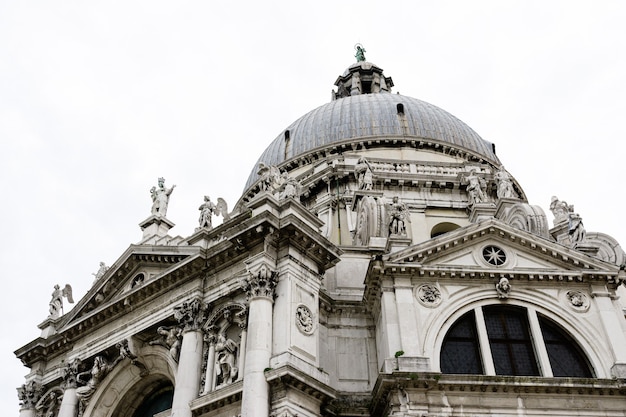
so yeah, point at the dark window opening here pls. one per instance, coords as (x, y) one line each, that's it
(566, 357)
(510, 342)
(400, 108)
(367, 87)
(460, 353)
(156, 402)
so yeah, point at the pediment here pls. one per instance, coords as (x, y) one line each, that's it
(139, 267)
(497, 247)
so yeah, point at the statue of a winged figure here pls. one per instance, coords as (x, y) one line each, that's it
(208, 209)
(56, 303)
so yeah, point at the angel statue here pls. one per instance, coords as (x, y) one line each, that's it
(363, 173)
(208, 209)
(56, 303)
(398, 217)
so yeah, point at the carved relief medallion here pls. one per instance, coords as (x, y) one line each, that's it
(304, 320)
(577, 300)
(428, 295)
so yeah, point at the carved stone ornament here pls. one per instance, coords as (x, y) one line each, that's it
(577, 300)
(90, 380)
(304, 320)
(169, 338)
(191, 314)
(261, 282)
(29, 394)
(70, 372)
(428, 295)
(503, 287)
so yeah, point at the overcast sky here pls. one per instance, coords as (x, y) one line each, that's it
(99, 100)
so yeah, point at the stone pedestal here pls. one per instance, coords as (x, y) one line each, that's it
(155, 226)
(481, 211)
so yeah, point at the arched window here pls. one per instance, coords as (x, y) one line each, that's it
(508, 340)
(442, 228)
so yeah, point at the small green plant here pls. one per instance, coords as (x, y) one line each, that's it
(267, 369)
(399, 353)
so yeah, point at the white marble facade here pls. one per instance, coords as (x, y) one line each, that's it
(387, 270)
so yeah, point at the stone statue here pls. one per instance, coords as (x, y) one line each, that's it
(399, 216)
(101, 271)
(575, 228)
(560, 209)
(475, 187)
(56, 303)
(505, 185)
(363, 172)
(271, 178)
(225, 350)
(125, 352)
(503, 287)
(91, 379)
(160, 198)
(170, 339)
(208, 209)
(292, 188)
(360, 53)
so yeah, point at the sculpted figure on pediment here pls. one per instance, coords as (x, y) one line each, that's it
(364, 174)
(160, 198)
(505, 185)
(208, 209)
(399, 216)
(575, 229)
(271, 178)
(56, 303)
(475, 187)
(101, 271)
(291, 189)
(560, 209)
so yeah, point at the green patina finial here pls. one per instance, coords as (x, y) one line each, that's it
(360, 52)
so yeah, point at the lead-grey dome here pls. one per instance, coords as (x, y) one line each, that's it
(365, 116)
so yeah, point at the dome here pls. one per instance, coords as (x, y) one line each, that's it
(355, 117)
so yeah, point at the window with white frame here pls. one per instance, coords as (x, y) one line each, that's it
(509, 340)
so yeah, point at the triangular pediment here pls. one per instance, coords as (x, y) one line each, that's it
(139, 266)
(499, 248)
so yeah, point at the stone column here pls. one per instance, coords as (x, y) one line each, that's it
(210, 363)
(259, 287)
(29, 394)
(241, 359)
(190, 315)
(69, 403)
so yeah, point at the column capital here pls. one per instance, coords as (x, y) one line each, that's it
(70, 373)
(29, 394)
(261, 281)
(191, 314)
